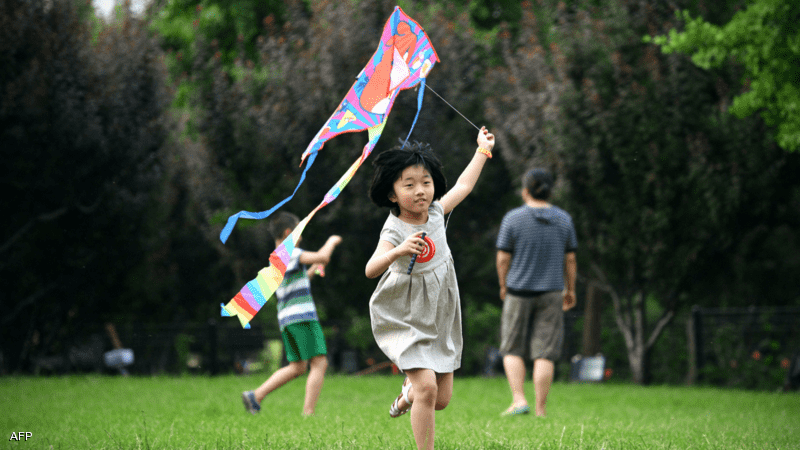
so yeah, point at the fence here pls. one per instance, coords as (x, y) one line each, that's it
(744, 347)
(216, 347)
(212, 348)
(754, 348)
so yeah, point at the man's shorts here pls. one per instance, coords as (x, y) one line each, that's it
(533, 326)
(303, 341)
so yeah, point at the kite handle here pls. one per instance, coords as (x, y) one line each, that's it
(414, 258)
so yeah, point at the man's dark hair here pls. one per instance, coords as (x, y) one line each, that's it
(539, 183)
(390, 164)
(280, 222)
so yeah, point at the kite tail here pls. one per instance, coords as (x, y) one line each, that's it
(228, 229)
(419, 108)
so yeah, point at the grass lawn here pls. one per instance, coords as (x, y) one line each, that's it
(201, 412)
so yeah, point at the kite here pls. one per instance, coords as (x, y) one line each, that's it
(403, 60)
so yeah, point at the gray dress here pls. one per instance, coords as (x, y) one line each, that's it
(416, 319)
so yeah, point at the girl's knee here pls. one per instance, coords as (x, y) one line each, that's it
(426, 393)
(443, 399)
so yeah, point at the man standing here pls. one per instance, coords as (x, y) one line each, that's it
(536, 268)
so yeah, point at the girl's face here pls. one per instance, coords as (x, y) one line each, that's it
(413, 191)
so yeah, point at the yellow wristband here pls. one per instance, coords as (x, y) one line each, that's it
(485, 152)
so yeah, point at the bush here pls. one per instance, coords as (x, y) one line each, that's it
(81, 123)
(481, 330)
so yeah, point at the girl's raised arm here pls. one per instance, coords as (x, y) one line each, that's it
(470, 175)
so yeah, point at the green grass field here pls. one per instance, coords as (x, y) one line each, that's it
(98, 412)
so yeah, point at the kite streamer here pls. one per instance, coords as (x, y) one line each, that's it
(403, 60)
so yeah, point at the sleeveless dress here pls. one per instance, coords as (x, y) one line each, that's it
(416, 319)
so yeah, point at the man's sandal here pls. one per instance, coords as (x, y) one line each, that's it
(516, 410)
(394, 410)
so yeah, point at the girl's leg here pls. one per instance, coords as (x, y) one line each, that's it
(280, 377)
(423, 395)
(316, 375)
(445, 383)
(515, 372)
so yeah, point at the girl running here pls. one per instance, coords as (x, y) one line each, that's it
(416, 317)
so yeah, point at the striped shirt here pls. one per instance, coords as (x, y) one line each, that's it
(537, 238)
(295, 304)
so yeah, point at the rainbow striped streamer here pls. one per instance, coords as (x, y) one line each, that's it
(402, 61)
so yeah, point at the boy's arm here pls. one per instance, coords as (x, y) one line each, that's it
(323, 255)
(470, 175)
(316, 269)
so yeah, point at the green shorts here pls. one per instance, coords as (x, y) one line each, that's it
(303, 341)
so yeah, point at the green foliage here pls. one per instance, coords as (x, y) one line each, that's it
(81, 124)
(659, 180)
(734, 365)
(359, 334)
(182, 345)
(232, 27)
(488, 13)
(481, 325)
(765, 40)
(748, 350)
(670, 194)
(234, 24)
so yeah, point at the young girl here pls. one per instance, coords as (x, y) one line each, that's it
(416, 318)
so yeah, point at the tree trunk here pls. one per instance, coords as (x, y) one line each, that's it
(631, 320)
(591, 321)
(638, 359)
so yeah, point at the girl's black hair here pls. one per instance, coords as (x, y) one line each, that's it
(539, 183)
(390, 164)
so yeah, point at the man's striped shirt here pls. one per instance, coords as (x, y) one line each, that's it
(537, 238)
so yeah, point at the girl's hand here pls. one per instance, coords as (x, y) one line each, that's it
(485, 139)
(411, 246)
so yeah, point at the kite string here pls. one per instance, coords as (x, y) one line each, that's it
(454, 108)
(465, 118)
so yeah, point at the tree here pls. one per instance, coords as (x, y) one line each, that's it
(765, 39)
(233, 25)
(660, 182)
(81, 123)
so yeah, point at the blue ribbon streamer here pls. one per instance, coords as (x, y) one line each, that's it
(419, 108)
(228, 229)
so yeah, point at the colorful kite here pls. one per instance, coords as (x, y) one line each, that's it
(403, 60)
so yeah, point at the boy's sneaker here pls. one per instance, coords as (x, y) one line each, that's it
(250, 403)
